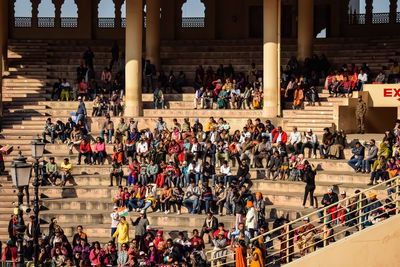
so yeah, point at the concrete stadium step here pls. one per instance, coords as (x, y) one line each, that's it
(321, 187)
(13, 92)
(204, 113)
(24, 99)
(273, 197)
(92, 211)
(304, 124)
(316, 112)
(338, 177)
(302, 120)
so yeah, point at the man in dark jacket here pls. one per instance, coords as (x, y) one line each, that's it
(32, 228)
(209, 151)
(328, 199)
(357, 158)
(242, 175)
(210, 225)
(274, 166)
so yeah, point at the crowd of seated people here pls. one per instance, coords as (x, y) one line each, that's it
(107, 92)
(383, 162)
(152, 247)
(300, 82)
(191, 163)
(227, 89)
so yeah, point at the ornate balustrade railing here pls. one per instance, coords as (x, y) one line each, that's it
(193, 22)
(69, 22)
(23, 22)
(45, 22)
(377, 18)
(106, 22)
(380, 18)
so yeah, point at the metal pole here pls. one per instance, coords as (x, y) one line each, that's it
(20, 227)
(325, 218)
(36, 211)
(359, 210)
(287, 244)
(396, 194)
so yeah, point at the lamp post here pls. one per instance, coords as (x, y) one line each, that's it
(20, 174)
(37, 147)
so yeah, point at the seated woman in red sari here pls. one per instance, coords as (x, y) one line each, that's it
(173, 150)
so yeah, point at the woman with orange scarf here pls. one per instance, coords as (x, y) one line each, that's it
(118, 151)
(240, 250)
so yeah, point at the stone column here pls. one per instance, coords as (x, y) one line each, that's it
(305, 29)
(393, 11)
(133, 58)
(57, 12)
(95, 17)
(35, 12)
(368, 11)
(210, 12)
(153, 32)
(271, 69)
(85, 17)
(118, 20)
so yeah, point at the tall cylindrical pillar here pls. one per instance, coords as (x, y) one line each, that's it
(153, 32)
(305, 29)
(133, 58)
(271, 54)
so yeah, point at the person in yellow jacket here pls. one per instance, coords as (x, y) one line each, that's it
(122, 232)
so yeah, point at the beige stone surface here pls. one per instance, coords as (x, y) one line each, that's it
(373, 247)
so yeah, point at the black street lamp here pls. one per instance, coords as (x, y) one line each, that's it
(37, 147)
(20, 174)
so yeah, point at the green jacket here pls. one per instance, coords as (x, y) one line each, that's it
(51, 168)
(384, 150)
(122, 127)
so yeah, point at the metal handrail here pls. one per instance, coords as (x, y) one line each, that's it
(357, 222)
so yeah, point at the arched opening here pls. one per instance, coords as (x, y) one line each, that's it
(354, 7)
(380, 11)
(123, 15)
(46, 14)
(123, 10)
(69, 14)
(23, 14)
(321, 34)
(193, 14)
(381, 6)
(106, 14)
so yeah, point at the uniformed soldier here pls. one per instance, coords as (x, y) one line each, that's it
(360, 114)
